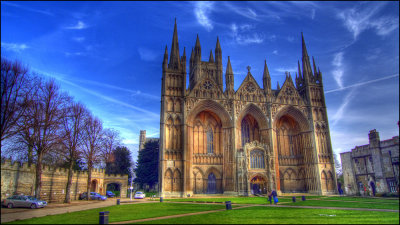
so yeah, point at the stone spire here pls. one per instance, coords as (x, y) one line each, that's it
(307, 73)
(211, 60)
(315, 68)
(278, 86)
(165, 61)
(174, 60)
(197, 50)
(229, 79)
(218, 64)
(266, 79)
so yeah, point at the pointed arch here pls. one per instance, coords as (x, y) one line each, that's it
(168, 179)
(254, 111)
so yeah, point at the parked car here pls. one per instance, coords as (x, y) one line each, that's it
(93, 196)
(23, 201)
(140, 195)
(110, 194)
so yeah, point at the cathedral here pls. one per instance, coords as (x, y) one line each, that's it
(241, 142)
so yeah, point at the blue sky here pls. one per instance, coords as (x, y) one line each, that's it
(108, 55)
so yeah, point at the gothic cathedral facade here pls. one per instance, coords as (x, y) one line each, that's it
(243, 142)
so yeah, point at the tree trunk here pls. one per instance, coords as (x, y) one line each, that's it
(38, 183)
(89, 182)
(30, 155)
(69, 183)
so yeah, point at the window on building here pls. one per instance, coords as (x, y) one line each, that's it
(245, 132)
(210, 141)
(391, 184)
(257, 159)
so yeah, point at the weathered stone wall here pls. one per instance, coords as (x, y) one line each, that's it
(17, 178)
(377, 162)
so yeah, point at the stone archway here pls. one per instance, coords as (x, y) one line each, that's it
(93, 185)
(292, 139)
(258, 185)
(208, 139)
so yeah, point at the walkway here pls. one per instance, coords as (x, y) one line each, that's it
(8, 215)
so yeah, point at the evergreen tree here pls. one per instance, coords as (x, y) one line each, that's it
(147, 166)
(120, 161)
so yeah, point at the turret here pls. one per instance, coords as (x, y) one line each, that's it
(218, 63)
(183, 60)
(197, 50)
(165, 61)
(266, 79)
(307, 73)
(229, 78)
(174, 61)
(278, 88)
(211, 59)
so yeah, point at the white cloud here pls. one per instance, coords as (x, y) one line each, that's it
(147, 54)
(289, 69)
(312, 14)
(290, 39)
(341, 111)
(243, 11)
(27, 8)
(362, 83)
(358, 19)
(78, 39)
(202, 11)
(338, 72)
(275, 52)
(14, 47)
(79, 26)
(244, 39)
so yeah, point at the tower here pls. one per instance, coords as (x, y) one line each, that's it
(142, 139)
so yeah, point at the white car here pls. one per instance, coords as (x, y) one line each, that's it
(140, 195)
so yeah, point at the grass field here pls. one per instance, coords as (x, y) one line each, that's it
(253, 214)
(121, 213)
(275, 215)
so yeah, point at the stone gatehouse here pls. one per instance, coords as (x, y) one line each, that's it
(19, 178)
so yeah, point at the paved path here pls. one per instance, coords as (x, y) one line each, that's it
(8, 215)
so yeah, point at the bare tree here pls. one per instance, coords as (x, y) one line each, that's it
(41, 123)
(92, 138)
(73, 124)
(111, 140)
(15, 88)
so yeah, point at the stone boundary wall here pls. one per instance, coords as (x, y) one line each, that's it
(19, 178)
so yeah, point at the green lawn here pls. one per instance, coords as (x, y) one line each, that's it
(344, 204)
(348, 202)
(275, 215)
(255, 214)
(121, 213)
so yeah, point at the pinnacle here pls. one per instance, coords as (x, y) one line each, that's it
(211, 57)
(229, 67)
(218, 46)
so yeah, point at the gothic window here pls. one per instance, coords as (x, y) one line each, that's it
(210, 143)
(257, 159)
(245, 132)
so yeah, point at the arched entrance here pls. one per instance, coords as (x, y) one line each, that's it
(93, 186)
(114, 188)
(258, 185)
(293, 149)
(211, 184)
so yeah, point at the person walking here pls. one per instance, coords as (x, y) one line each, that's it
(275, 196)
(270, 197)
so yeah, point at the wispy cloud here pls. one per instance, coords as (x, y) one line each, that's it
(341, 111)
(14, 47)
(362, 17)
(79, 26)
(202, 12)
(147, 54)
(338, 72)
(362, 83)
(242, 11)
(104, 97)
(290, 39)
(78, 39)
(289, 69)
(275, 52)
(27, 8)
(244, 39)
